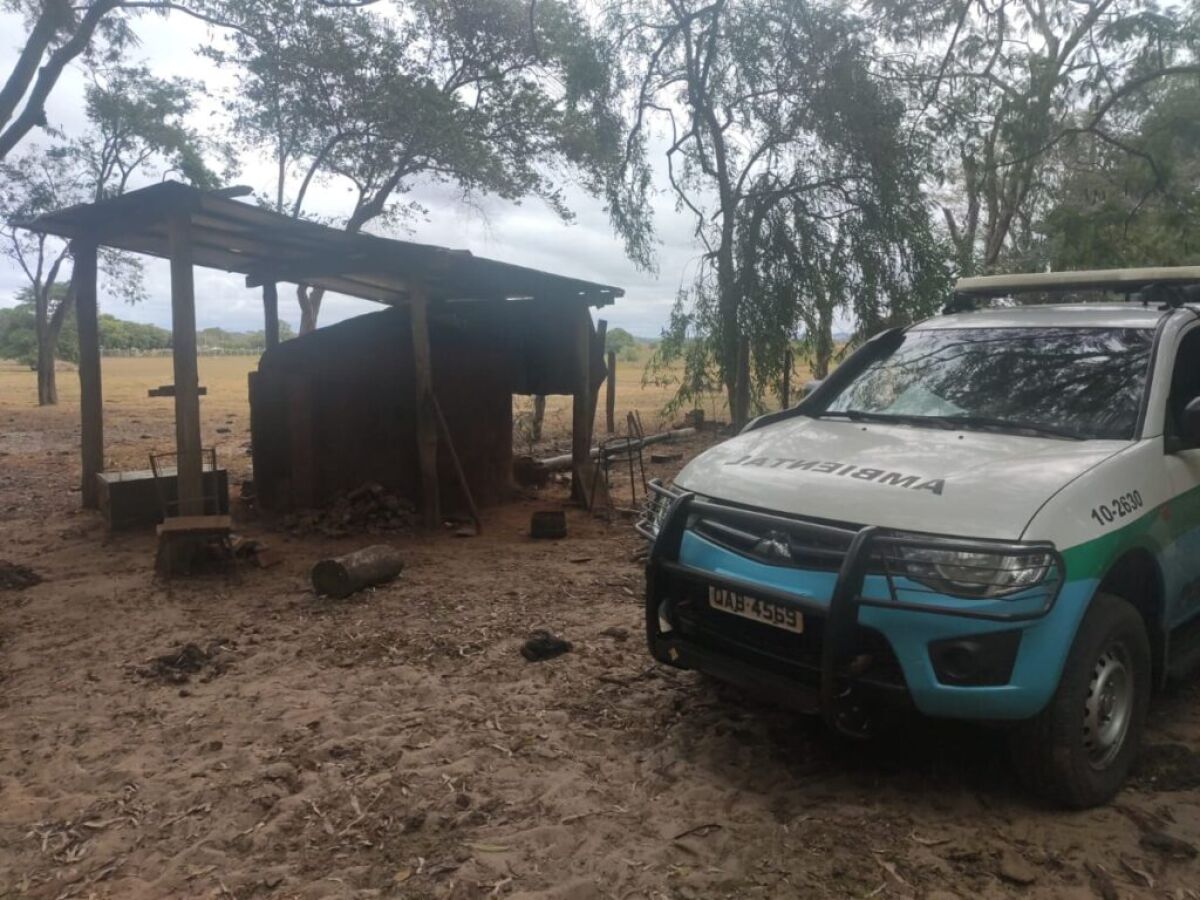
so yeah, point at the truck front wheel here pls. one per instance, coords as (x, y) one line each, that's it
(1079, 749)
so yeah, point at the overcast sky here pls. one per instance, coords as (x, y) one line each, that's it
(529, 234)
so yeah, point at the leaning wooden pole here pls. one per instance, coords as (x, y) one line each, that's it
(458, 469)
(91, 399)
(187, 378)
(427, 436)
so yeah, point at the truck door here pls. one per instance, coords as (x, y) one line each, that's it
(1183, 479)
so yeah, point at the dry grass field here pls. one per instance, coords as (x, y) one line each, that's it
(127, 379)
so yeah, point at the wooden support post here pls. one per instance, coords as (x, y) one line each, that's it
(427, 436)
(581, 409)
(91, 398)
(610, 402)
(271, 314)
(187, 379)
(785, 394)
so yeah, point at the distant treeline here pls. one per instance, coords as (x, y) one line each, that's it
(118, 337)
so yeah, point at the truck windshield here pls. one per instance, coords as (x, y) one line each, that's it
(1064, 382)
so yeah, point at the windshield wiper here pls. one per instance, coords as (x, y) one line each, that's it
(1013, 425)
(955, 421)
(862, 415)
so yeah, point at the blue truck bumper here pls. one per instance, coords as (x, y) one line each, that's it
(867, 633)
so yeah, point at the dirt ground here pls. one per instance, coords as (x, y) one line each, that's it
(235, 736)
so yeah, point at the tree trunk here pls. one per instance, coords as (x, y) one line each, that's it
(46, 385)
(310, 306)
(49, 327)
(824, 343)
(734, 364)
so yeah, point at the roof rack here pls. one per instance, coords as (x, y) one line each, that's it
(1126, 280)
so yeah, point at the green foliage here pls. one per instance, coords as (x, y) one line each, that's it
(218, 340)
(793, 159)
(488, 96)
(18, 337)
(118, 337)
(139, 126)
(1133, 205)
(622, 343)
(999, 90)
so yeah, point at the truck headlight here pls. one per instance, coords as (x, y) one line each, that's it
(974, 574)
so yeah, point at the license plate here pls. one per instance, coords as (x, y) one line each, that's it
(764, 611)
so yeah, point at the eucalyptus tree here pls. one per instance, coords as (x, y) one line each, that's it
(488, 97)
(1001, 84)
(1133, 204)
(136, 129)
(788, 153)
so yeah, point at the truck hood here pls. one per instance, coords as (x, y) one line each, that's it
(961, 483)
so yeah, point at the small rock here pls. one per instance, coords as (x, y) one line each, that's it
(223, 430)
(1015, 870)
(282, 772)
(543, 645)
(616, 633)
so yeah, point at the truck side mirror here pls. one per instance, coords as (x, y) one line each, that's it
(812, 386)
(1189, 423)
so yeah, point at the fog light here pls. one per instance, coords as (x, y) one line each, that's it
(978, 660)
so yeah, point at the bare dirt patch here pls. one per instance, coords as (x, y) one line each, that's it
(397, 744)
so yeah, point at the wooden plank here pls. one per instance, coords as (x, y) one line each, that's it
(195, 524)
(91, 400)
(271, 314)
(168, 390)
(581, 408)
(187, 380)
(427, 437)
(610, 401)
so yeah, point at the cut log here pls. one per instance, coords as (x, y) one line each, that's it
(343, 575)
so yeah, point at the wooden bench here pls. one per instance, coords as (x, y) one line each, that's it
(185, 540)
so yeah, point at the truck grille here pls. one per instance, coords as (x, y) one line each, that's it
(784, 652)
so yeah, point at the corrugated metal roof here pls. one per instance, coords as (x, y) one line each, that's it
(267, 246)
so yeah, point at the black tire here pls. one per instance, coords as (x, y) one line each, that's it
(1071, 752)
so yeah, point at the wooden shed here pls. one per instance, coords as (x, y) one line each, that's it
(336, 409)
(358, 399)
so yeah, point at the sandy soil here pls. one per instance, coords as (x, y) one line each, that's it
(398, 745)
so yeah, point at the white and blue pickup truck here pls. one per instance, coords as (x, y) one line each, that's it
(990, 515)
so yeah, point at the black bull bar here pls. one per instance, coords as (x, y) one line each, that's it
(856, 553)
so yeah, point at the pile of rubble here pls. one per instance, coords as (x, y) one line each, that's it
(369, 508)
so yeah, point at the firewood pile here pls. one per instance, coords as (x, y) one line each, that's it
(368, 509)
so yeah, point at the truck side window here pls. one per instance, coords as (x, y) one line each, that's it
(1185, 380)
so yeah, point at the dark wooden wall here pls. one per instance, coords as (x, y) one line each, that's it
(335, 408)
